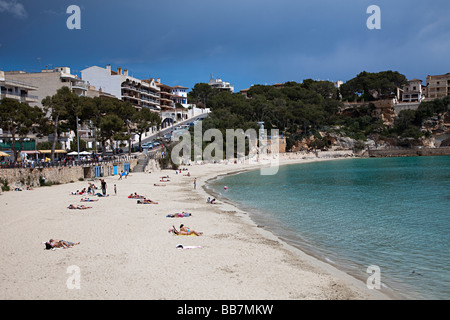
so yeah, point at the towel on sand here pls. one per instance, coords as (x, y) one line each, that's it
(180, 246)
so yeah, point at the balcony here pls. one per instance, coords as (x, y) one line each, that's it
(80, 86)
(20, 97)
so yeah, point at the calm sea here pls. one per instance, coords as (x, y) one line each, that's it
(393, 213)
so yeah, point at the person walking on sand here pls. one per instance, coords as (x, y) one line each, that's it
(195, 183)
(115, 190)
(103, 187)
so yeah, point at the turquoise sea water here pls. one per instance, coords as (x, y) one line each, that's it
(393, 213)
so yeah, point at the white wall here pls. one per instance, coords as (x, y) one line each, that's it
(101, 78)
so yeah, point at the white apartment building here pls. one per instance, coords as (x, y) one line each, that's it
(48, 81)
(180, 94)
(338, 84)
(221, 85)
(17, 90)
(413, 91)
(140, 93)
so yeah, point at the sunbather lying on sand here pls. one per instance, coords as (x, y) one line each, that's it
(179, 215)
(159, 185)
(80, 193)
(146, 201)
(135, 196)
(54, 244)
(81, 207)
(88, 200)
(185, 231)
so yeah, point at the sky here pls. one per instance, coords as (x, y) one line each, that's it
(244, 42)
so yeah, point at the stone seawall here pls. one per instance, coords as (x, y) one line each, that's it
(410, 152)
(22, 177)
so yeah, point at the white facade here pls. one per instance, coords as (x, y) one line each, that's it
(338, 84)
(221, 85)
(413, 91)
(195, 111)
(140, 93)
(181, 94)
(103, 80)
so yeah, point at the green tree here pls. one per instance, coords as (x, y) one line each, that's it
(372, 86)
(19, 119)
(59, 108)
(33, 120)
(111, 127)
(325, 88)
(143, 120)
(74, 145)
(11, 117)
(126, 112)
(200, 94)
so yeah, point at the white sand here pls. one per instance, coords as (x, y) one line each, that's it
(126, 251)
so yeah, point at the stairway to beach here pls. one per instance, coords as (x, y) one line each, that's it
(142, 163)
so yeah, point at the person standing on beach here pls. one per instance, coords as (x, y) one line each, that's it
(103, 187)
(115, 190)
(195, 183)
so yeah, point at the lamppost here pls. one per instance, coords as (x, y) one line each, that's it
(78, 141)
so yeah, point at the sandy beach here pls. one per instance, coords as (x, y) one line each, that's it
(126, 251)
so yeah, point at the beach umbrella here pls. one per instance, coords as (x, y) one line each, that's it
(74, 153)
(3, 154)
(85, 153)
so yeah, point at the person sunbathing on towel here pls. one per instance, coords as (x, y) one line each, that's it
(135, 196)
(53, 244)
(179, 215)
(87, 200)
(146, 201)
(81, 207)
(185, 231)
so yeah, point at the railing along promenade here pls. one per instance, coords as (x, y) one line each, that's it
(68, 163)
